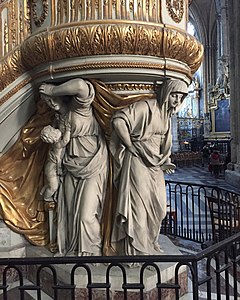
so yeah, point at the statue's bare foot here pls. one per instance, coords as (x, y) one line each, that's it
(58, 254)
(158, 248)
(84, 253)
(151, 268)
(133, 265)
(70, 254)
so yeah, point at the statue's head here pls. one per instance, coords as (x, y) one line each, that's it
(55, 103)
(173, 92)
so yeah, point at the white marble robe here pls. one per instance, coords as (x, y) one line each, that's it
(82, 191)
(141, 205)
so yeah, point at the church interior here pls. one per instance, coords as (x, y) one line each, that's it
(126, 50)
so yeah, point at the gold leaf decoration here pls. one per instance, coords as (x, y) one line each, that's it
(175, 9)
(183, 47)
(105, 39)
(39, 20)
(98, 40)
(143, 42)
(37, 47)
(128, 39)
(113, 40)
(155, 45)
(15, 64)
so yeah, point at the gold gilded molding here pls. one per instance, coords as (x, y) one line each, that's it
(183, 47)
(91, 40)
(103, 65)
(105, 39)
(175, 9)
(116, 87)
(13, 91)
(38, 48)
(10, 68)
(38, 21)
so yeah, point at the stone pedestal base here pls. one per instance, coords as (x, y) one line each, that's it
(98, 275)
(11, 244)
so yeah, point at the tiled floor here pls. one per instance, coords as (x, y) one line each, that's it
(200, 175)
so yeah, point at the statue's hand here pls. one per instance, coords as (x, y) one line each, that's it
(168, 168)
(169, 171)
(46, 89)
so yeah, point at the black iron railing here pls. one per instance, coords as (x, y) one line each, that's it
(189, 213)
(215, 269)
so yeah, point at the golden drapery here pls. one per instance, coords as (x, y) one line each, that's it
(21, 178)
(21, 171)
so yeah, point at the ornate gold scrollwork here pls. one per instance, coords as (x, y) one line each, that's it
(134, 39)
(103, 39)
(10, 68)
(39, 20)
(175, 9)
(183, 47)
(131, 87)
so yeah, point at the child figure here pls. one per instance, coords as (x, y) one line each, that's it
(52, 169)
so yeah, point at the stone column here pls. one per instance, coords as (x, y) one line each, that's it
(224, 28)
(233, 173)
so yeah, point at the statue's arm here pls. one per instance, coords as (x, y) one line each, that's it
(168, 166)
(72, 87)
(65, 140)
(122, 131)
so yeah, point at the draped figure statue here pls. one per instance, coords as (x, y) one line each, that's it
(93, 113)
(81, 194)
(141, 147)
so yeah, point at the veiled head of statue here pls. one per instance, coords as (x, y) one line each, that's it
(172, 94)
(56, 103)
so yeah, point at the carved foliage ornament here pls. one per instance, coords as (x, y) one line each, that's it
(39, 20)
(98, 40)
(112, 39)
(175, 9)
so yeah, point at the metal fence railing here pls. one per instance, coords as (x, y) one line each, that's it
(188, 211)
(214, 269)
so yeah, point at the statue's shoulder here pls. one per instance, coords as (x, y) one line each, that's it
(143, 104)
